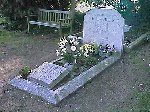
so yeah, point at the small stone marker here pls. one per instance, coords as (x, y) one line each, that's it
(48, 74)
(104, 26)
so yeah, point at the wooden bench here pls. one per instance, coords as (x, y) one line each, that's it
(51, 18)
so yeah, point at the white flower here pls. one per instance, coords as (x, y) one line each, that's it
(86, 50)
(80, 38)
(71, 37)
(73, 48)
(63, 40)
(57, 52)
(61, 45)
(64, 50)
(81, 48)
(73, 40)
(86, 54)
(91, 50)
(76, 43)
(75, 61)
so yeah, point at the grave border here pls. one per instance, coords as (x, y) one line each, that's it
(142, 39)
(55, 96)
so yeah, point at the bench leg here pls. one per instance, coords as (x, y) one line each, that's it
(60, 32)
(39, 26)
(28, 27)
(71, 30)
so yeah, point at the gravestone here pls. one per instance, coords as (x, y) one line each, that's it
(104, 26)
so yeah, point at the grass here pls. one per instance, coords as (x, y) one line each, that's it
(142, 101)
(14, 39)
(6, 36)
(18, 38)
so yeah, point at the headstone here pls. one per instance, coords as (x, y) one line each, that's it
(104, 26)
(48, 74)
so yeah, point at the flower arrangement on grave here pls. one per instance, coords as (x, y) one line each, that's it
(82, 55)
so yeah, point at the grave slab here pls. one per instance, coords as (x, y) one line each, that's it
(48, 74)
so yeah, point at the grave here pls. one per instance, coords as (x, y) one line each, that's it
(101, 26)
(104, 26)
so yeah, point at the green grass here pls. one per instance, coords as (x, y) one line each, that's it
(18, 40)
(142, 101)
(138, 61)
(6, 36)
(14, 39)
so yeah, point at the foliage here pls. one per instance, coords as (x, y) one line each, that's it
(2, 19)
(68, 57)
(143, 15)
(86, 61)
(78, 21)
(25, 71)
(16, 25)
(16, 10)
(19, 8)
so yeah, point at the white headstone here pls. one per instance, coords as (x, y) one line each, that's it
(104, 26)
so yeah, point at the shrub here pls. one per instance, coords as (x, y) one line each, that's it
(25, 71)
(78, 21)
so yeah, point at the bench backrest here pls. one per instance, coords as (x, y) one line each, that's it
(54, 16)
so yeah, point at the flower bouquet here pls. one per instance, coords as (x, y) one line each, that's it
(79, 56)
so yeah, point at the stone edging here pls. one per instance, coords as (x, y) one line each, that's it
(59, 94)
(34, 88)
(143, 38)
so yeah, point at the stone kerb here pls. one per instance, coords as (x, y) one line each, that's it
(84, 77)
(35, 89)
(55, 96)
(104, 26)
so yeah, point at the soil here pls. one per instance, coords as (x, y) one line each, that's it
(112, 90)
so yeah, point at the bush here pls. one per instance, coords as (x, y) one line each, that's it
(16, 10)
(2, 20)
(19, 24)
(25, 71)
